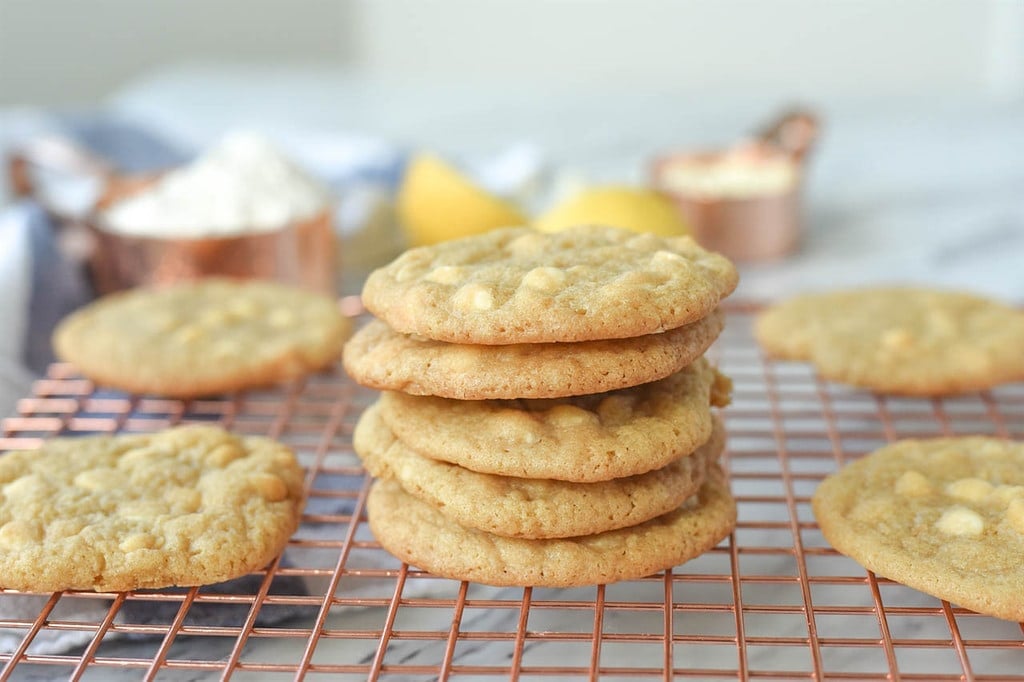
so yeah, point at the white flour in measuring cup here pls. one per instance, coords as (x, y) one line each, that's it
(241, 185)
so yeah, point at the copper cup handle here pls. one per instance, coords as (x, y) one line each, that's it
(53, 152)
(795, 133)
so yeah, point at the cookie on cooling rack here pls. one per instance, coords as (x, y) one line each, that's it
(945, 516)
(211, 336)
(192, 505)
(532, 508)
(581, 439)
(517, 285)
(420, 535)
(381, 358)
(899, 340)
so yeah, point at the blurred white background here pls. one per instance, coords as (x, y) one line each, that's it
(62, 52)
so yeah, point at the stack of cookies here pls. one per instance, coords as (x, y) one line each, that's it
(547, 413)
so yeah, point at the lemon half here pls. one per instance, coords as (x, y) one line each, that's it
(435, 203)
(631, 208)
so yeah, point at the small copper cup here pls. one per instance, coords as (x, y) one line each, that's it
(761, 225)
(302, 253)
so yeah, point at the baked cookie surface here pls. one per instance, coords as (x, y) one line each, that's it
(517, 285)
(944, 516)
(532, 508)
(212, 336)
(192, 505)
(378, 357)
(899, 340)
(418, 534)
(582, 439)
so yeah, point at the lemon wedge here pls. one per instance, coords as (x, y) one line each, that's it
(631, 208)
(436, 203)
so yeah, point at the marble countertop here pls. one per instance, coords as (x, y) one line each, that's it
(925, 192)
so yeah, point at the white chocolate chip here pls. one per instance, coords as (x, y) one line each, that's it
(970, 489)
(446, 274)
(281, 318)
(137, 541)
(897, 339)
(570, 415)
(913, 484)
(269, 486)
(529, 244)
(474, 297)
(643, 242)
(99, 479)
(546, 279)
(18, 533)
(1015, 514)
(960, 521)
(666, 258)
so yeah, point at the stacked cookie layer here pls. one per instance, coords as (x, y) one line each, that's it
(547, 413)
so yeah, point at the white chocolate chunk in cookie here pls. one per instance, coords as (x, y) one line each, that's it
(474, 296)
(547, 279)
(970, 489)
(446, 274)
(960, 520)
(1015, 514)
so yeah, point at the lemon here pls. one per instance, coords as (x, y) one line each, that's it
(435, 202)
(631, 208)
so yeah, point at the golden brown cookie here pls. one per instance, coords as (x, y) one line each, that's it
(517, 285)
(187, 506)
(211, 336)
(532, 508)
(378, 357)
(582, 439)
(420, 535)
(899, 340)
(945, 516)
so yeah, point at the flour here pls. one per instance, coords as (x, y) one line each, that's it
(241, 185)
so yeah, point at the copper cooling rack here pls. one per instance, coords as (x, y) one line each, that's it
(773, 601)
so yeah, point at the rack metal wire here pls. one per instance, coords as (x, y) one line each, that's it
(773, 601)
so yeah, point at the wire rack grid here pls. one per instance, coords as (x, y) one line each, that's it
(772, 601)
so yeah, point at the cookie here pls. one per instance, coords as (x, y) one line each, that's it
(944, 516)
(211, 336)
(378, 357)
(420, 535)
(904, 341)
(187, 506)
(517, 285)
(581, 439)
(532, 508)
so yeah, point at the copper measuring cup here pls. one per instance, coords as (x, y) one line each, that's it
(302, 253)
(757, 227)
